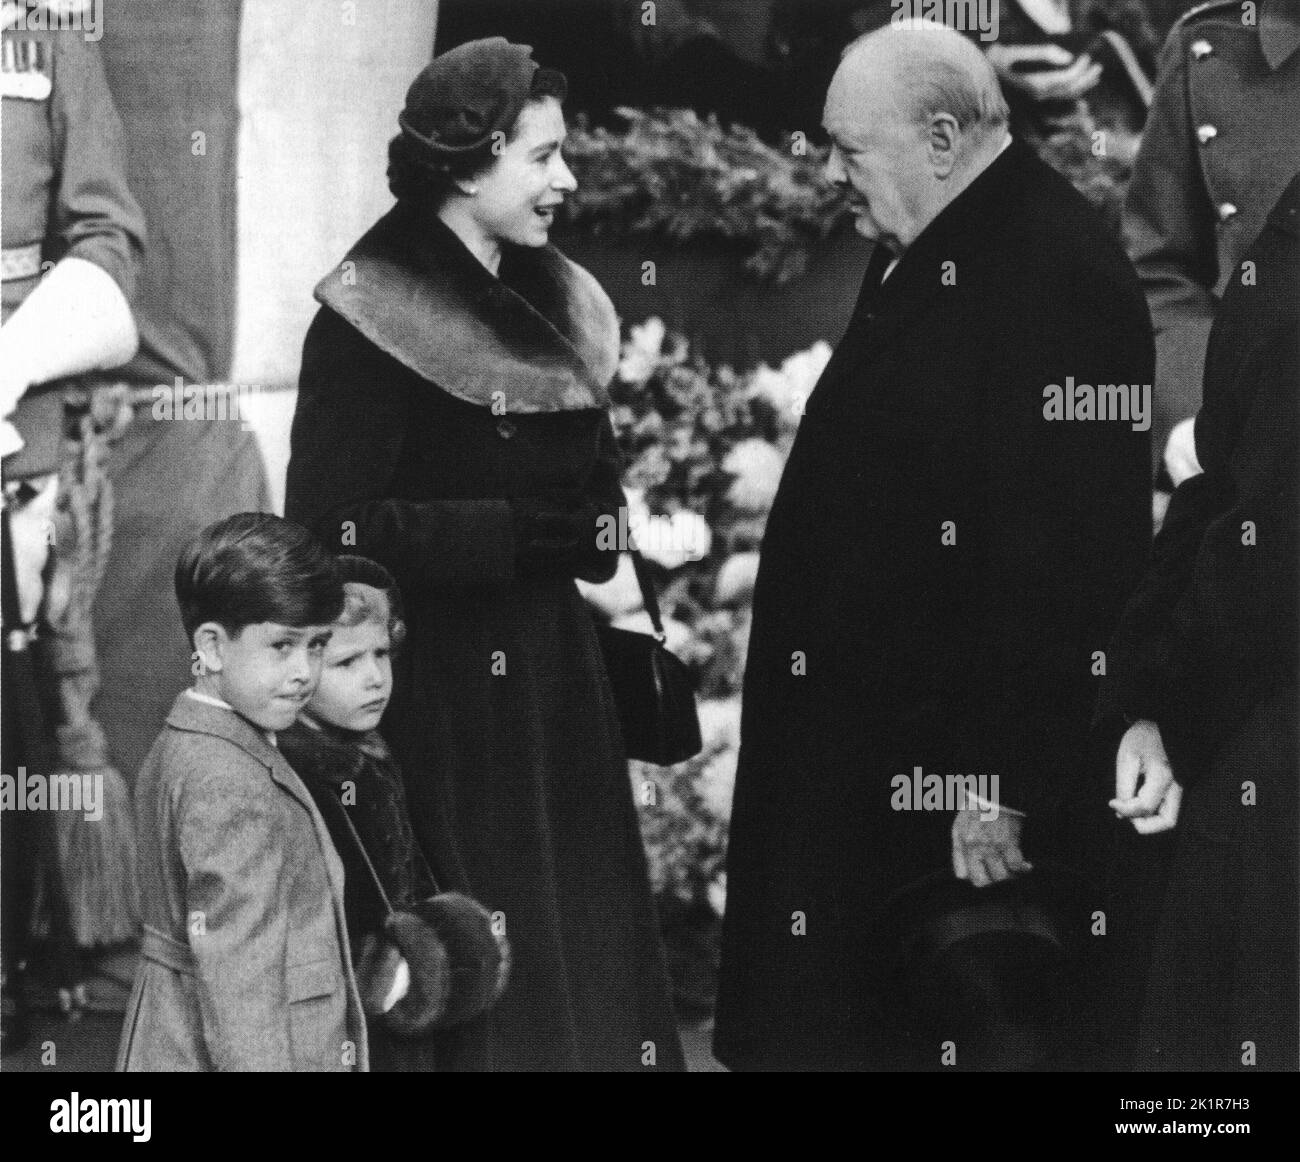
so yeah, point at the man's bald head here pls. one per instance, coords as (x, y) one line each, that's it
(914, 113)
(922, 69)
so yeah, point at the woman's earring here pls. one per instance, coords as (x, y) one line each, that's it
(471, 190)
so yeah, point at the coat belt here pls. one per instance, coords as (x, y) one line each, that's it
(158, 947)
(20, 261)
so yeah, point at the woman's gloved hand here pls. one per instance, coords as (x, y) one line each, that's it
(555, 533)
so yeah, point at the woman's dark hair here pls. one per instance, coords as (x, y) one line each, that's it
(254, 567)
(413, 175)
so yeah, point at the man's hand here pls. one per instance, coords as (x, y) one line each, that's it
(987, 851)
(1058, 75)
(1180, 452)
(1142, 756)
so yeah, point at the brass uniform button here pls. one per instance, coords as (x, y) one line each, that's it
(1206, 133)
(1201, 49)
(1226, 210)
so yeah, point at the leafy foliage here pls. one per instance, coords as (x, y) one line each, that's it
(674, 177)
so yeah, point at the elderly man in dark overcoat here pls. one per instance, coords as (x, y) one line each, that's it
(960, 518)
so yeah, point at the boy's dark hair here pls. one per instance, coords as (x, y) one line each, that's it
(415, 177)
(254, 567)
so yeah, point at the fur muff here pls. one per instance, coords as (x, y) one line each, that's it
(426, 1004)
(480, 957)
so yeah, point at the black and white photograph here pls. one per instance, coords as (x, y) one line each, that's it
(652, 537)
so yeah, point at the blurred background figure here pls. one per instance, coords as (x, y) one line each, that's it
(1205, 669)
(72, 241)
(94, 567)
(1219, 148)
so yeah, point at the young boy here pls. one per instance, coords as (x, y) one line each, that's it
(245, 962)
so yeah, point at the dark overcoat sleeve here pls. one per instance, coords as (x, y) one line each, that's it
(1065, 531)
(355, 409)
(1208, 606)
(1139, 683)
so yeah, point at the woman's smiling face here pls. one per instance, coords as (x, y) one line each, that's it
(518, 195)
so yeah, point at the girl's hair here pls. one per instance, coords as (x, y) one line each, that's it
(370, 594)
(364, 603)
(415, 176)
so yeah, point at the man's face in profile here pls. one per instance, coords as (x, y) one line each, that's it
(878, 158)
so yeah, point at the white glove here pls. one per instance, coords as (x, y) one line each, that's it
(10, 440)
(401, 984)
(1180, 452)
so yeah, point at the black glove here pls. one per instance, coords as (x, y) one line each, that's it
(554, 533)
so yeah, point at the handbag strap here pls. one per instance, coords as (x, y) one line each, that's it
(365, 856)
(648, 595)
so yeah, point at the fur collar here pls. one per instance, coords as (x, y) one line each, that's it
(542, 338)
(342, 752)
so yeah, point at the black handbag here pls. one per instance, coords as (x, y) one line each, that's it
(653, 689)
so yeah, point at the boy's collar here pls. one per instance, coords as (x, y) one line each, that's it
(213, 700)
(206, 714)
(210, 699)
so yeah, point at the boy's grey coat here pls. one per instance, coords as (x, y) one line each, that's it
(245, 964)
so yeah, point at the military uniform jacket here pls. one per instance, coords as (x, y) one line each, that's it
(245, 963)
(65, 188)
(1221, 143)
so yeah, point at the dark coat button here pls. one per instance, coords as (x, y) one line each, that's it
(506, 429)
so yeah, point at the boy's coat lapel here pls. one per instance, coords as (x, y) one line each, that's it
(202, 717)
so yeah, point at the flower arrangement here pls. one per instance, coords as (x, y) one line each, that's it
(673, 177)
(705, 447)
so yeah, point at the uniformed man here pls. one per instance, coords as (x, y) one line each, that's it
(72, 239)
(1220, 145)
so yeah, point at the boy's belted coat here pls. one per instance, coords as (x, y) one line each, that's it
(245, 963)
(939, 566)
(433, 392)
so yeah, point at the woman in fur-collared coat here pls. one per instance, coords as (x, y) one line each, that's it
(452, 424)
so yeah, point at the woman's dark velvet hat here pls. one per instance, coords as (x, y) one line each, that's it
(467, 94)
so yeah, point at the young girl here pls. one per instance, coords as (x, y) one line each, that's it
(425, 961)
